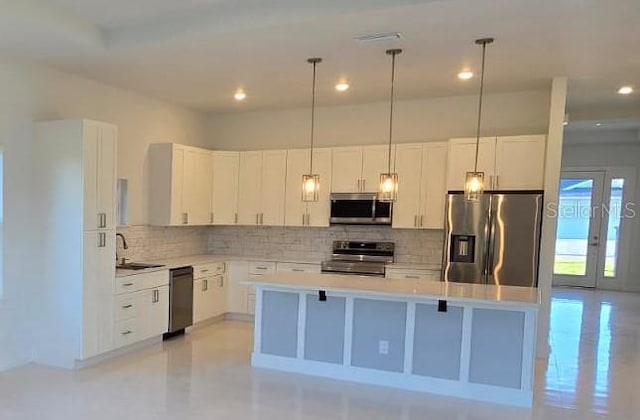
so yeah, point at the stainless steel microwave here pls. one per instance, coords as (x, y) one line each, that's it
(359, 209)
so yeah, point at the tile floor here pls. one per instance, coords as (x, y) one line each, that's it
(593, 373)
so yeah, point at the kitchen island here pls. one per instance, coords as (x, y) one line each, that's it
(466, 340)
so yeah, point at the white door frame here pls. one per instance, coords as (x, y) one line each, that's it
(621, 280)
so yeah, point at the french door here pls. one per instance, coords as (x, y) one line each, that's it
(591, 216)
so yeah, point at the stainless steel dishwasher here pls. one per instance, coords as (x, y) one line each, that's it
(180, 300)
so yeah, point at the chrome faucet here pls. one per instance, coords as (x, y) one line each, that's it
(124, 246)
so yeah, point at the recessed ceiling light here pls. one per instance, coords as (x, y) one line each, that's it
(598, 124)
(465, 75)
(625, 90)
(342, 86)
(239, 95)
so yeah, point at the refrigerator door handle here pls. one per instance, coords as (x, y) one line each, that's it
(488, 243)
(492, 243)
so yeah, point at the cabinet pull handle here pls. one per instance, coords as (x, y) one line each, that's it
(155, 296)
(421, 220)
(303, 221)
(412, 277)
(212, 214)
(415, 221)
(308, 219)
(298, 270)
(204, 271)
(102, 240)
(235, 218)
(127, 332)
(185, 218)
(262, 218)
(261, 268)
(127, 306)
(359, 181)
(257, 218)
(221, 281)
(205, 285)
(497, 182)
(127, 284)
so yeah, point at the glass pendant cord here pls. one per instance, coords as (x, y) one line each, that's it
(313, 61)
(392, 94)
(484, 43)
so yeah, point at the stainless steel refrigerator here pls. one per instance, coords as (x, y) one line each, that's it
(495, 240)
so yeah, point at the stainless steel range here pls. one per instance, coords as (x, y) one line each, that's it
(359, 257)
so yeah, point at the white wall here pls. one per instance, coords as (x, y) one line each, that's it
(424, 119)
(29, 93)
(610, 148)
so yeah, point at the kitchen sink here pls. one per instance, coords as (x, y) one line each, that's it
(137, 266)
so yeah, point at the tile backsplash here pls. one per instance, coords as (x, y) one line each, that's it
(304, 243)
(147, 243)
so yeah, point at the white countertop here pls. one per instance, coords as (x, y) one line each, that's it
(464, 292)
(170, 263)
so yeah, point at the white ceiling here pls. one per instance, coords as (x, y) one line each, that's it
(197, 52)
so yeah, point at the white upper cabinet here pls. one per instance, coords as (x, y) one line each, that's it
(274, 170)
(509, 163)
(99, 145)
(422, 173)
(250, 187)
(520, 162)
(295, 213)
(318, 212)
(406, 209)
(434, 189)
(180, 185)
(462, 153)
(347, 169)
(226, 168)
(298, 212)
(358, 169)
(375, 161)
(261, 193)
(201, 179)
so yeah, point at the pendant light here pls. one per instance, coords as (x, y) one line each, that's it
(388, 190)
(311, 181)
(474, 181)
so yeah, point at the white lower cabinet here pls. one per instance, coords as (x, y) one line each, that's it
(141, 310)
(242, 297)
(209, 297)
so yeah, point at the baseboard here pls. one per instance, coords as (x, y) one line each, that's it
(234, 316)
(81, 364)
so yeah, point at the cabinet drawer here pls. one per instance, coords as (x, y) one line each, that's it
(126, 332)
(298, 268)
(143, 281)
(126, 284)
(262, 267)
(208, 270)
(126, 306)
(428, 275)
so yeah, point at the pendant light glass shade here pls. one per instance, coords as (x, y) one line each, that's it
(388, 189)
(310, 187)
(311, 181)
(474, 186)
(474, 180)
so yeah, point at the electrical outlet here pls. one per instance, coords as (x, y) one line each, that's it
(383, 347)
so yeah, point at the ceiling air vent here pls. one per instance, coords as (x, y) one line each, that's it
(385, 37)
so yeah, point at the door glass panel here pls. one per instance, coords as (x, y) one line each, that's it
(614, 214)
(574, 218)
